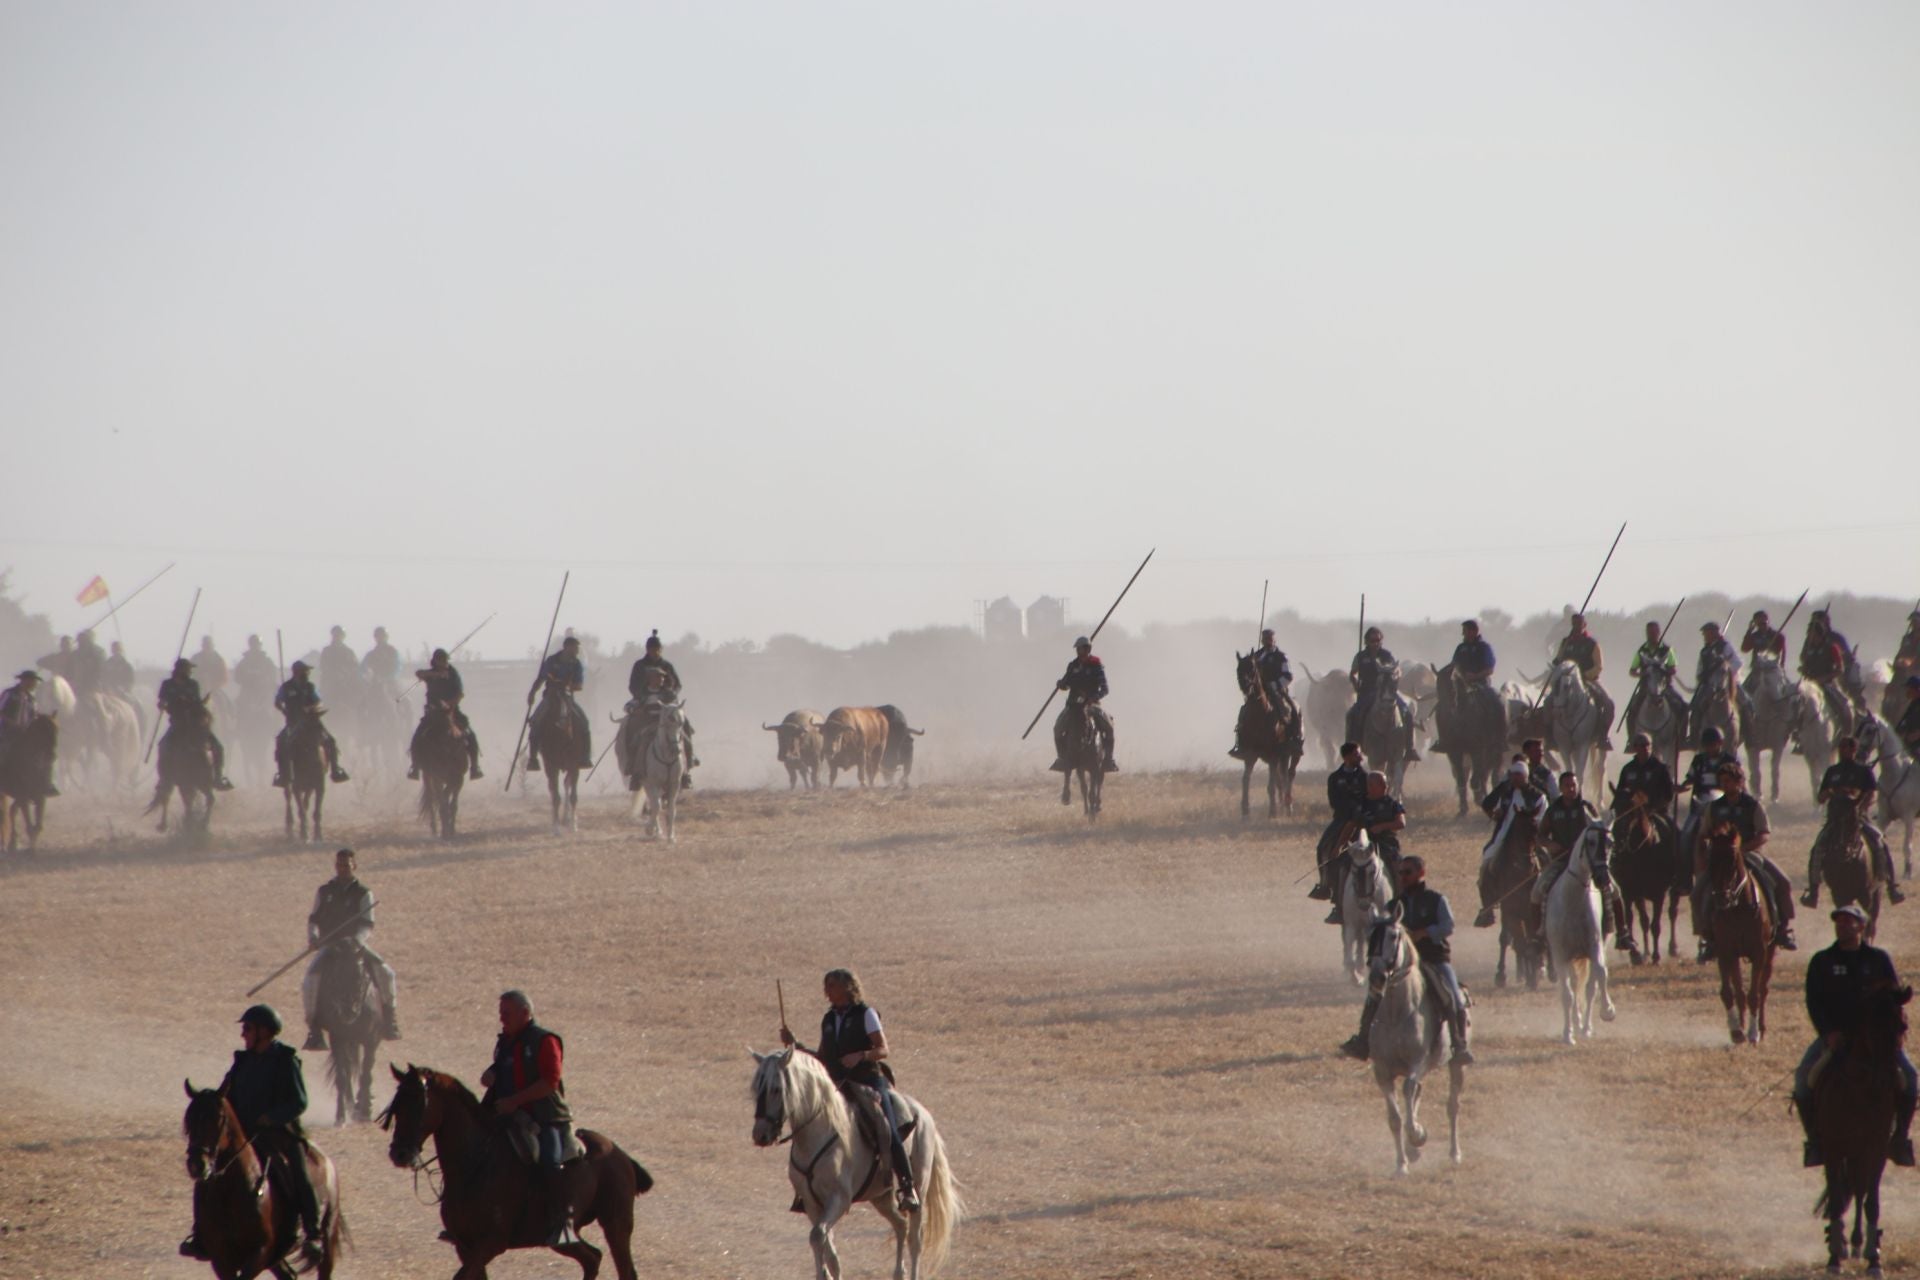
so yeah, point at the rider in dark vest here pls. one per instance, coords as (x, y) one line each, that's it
(637, 686)
(1428, 920)
(268, 1093)
(187, 713)
(563, 670)
(1473, 667)
(441, 680)
(1517, 799)
(297, 700)
(1826, 659)
(1839, 981)
(1567, 820)
(1373, 670)
(17, 713)
(1737, 809)
(1847, 776)
(852, 1044)
(526, 1077)
(1646, 774)
(1085, 684)
(1583, 650)
(342, 915)
(1271, 670)
(1346, 792)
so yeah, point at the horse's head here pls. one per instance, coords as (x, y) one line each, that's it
(770, 1096)
(1359, 847)
(418, 1109)
(1389, 952)
(1596, 848)
(212, 1130)
(1887, 1016)
(1726, 869)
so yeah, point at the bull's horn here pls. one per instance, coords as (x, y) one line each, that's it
(771, 728)
(616, 719)
(918, 733)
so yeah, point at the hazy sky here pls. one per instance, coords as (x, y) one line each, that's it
(835, 318)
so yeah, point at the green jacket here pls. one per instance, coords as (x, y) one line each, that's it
(1658, 655)
(267, 1089)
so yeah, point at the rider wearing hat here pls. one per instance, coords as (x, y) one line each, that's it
(1647, 775)
(1373, 670)
(1735, 809)
(1515, 799)
(381, 664)
(563, 670)
(297, 701)
(1825, 657)
(1085, 684)
(1473, 665)
(1583, 650)
(1271, 670)
(1839, 980)
(16, 713)
(1848, 777)
(186, 709)
(1346, 794)
(1717, 658)
(1568, 818)
(441, 679)
(268, 1094)
(640, 687)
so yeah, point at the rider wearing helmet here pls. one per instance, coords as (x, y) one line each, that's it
(1373, 670)
(298, 701)
(444, 692)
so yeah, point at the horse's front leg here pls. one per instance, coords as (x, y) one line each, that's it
(1732, 996)
(319, 799)
(1394, 1126)
(1456, 1081)
(1273, 789)
(286, 794)
(1416, 1135)
(826, 1258)
(1569, 1007)
(1246, 789)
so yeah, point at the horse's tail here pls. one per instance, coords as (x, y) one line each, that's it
(642, 1180)
(426, 796)
(941, 1203)
(340, 1065)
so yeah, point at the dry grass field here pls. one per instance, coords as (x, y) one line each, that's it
(1126, 1032)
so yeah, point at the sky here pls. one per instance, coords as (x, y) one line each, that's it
(837, 319)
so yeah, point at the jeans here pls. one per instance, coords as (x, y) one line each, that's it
(902, 1170)
(552, 1146)
(1803, 1090)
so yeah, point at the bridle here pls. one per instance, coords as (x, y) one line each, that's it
(206, 1155)
(420, 1163)
(1393, 933)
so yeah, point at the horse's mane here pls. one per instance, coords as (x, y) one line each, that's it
(811, 1091)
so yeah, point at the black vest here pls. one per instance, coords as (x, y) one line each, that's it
(850, 1037)
(525, 1047)
(1420, 909)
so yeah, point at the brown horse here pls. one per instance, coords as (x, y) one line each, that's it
(244, 1220)
(1846, 865)
(1650, 871)
(1742, 929)
(564, 745)
(489, 1204)
(1513, 873)
(442, 755)
(24, 771)
(306, 769)
(1082, 755)
(1855, 1099)
(186, 766)
(1270, 736)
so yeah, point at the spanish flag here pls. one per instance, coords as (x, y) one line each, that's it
(94, 592)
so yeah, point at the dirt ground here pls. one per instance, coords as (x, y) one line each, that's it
(1126, 1033)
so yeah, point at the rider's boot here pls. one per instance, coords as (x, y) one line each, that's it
(1106, 763)
(557, 1206)
(413, 768)
(1334, 916)
(338, 774)
(1320, 892)
(316, 1041)
(190, 1248)
(1810, 1156)
(1235, 750)
(1811, 898)
(1783, 937)
(279, 767)
(1894, 892)
(473, 766)
(1358, 1047)
(1486, 919)
(1900, 1150)
(1462, 1038)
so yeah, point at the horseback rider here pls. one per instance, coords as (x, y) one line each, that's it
(1761, 637)
(298, 701)
(565, 672)
(16, 713)
(1583, 650)
(1516, 798)
(211, 666)
(441, 679)
(342, 915)
(1702, 776)
(1428, 920)
(851, 1044)
(1908, 726)
(1539, 772)
(268, 1093)
(89, 659)
(187, 713)
(1647, 775)
(254, 675)
(639, 686)
(1274, 675)
(1717, 658)
(1382, 818)
(1085, 684)
(1734, 808)
(1473, 664)
(1839, 980)
(339, 669)
(1346, 792)
(1374, 669)
(381, 664)
(60, 661)
(1848, 777)
(1825, 658)
(1656, 654)
(526, 1077)
(643, 712)
(116, 673)
(1906, 659)
(1567, 820)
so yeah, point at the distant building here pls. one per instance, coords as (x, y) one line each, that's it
(1001, 622)
(1046, 617)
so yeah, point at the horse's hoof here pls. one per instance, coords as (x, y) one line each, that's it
(1499, 979)
(1607, 1014)
(1457, 1157)
(1569, 1038)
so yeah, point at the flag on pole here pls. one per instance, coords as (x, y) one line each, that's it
(94, 592)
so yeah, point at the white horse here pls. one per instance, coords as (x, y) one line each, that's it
(1405, 1041)
(105, 728)
(659, 772)
(1364, 896)
(1653, 714)
(1783, 707)
(1899, 778)
(834, 1166)
(1576, 933)
(1577, 728)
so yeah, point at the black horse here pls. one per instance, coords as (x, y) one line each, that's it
(1270, 735)
(349, 1012)
(1472, 721)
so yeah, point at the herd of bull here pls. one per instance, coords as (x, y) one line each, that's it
(872, 743)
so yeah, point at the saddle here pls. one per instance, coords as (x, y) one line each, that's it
(864, 1102)
(523, 1139)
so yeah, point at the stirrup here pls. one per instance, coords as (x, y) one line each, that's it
(1900, 1151)
(1320, 893)
(390, 1029)
(413, 774)
(1462, 1055)
(1333, 916)
(1811, 898)
(339, 774)
(1486, 919)
(223, 783)
(474, 774)
(190, 1248)
(909, 1202)
(316, 1041)
(1356, 1047)
(1895, 894)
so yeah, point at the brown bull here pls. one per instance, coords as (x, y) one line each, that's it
(799, 747)
(854, 739)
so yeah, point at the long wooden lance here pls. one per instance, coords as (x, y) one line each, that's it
(1094, 635)
(1363, 622)
(1782, 628)
(177, 655)
(1657, 642)
(280, 649)
(458, 646)
(1264, 582)
(545, 650)
(1589, 600)
(116, 606)
(338, 929)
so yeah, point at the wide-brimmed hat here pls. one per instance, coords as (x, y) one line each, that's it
(28, 674)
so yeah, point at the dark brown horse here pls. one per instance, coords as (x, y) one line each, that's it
(1742, 930)
(306, 768)
(350, 1014)
(564, 744)
(23, 781)
(1473, 733)
(442, 756)
(1650, 872)
(1511, 880)
(244, 1221)
(1270, 736)
(489, 1204)
(186, 766)
(1083, 759)
(1846, 865)
(1855, 1099)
